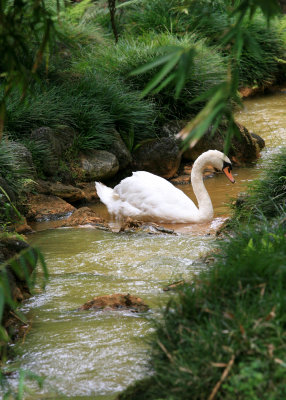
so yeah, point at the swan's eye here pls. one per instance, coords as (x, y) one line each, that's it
(227, 165)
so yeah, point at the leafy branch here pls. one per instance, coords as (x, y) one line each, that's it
(23, 266)
(22, 22)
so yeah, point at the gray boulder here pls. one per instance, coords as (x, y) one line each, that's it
(159, 156)
(51, 144)
(258, 139)
(119, 149)
(173, 127)
(244, 148)
(98, 165)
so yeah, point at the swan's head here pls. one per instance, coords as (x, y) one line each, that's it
(220, 161)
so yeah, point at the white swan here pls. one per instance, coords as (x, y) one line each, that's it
(149, 197)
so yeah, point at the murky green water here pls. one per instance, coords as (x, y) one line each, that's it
(100, 353)
(266, 116)
(94, 355)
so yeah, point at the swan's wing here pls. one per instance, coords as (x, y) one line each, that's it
(155, 197)
(113, 202)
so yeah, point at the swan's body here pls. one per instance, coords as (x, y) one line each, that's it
(150, 197)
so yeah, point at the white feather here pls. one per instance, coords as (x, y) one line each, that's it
(150, 197)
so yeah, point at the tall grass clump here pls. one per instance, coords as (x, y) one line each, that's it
(92, 103)
(10, 167)
(129, 54)
(266, 197)
(13, 172)
(262, 57)
(154, 15)
(262, 53)
(263, 48)
(96, 93)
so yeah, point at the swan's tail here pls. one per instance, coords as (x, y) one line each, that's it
(105, 193)
(108, 197)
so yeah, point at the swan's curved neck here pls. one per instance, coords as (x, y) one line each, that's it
(205, 207)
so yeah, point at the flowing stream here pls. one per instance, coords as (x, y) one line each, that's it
(95, 355)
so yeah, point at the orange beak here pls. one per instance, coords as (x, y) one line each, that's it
(227, 172)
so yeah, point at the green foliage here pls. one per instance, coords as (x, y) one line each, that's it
(22, 389)
(9, 213)
(92, 103)
(263, 45)
(23, 267)
(248, 382)
(76, 12)
(23, 23)
(245, 44)
(266, 195)
(110, 104)
(130, 54)
(156, 15)
(10, 167)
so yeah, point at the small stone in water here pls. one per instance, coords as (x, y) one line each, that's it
(116, 302)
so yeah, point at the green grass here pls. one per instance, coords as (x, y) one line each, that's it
(225, 332)
(95, 92)
(92, 103)
(10, 167)
(263, 45)
(267, 195)
(13, 170)
(121, 59)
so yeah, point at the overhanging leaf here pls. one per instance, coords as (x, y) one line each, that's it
(161, 74)
(156, 63)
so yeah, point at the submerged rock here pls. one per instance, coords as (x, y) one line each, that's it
(174, 285)
(131, 225)
(116, 302)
